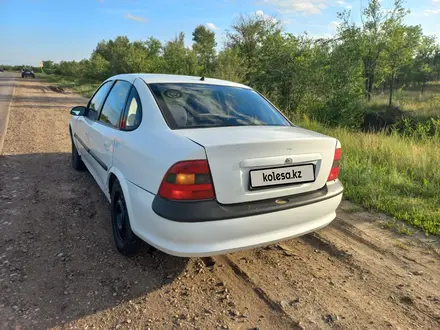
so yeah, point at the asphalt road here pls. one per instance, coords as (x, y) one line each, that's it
(7, 84)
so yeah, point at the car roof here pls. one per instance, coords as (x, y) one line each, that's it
(151, 78)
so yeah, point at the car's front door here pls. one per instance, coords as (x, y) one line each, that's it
(104, 130)
(82, 125)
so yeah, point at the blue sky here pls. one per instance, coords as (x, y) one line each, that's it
(35, 30)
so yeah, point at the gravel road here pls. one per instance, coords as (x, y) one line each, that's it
(59, 267)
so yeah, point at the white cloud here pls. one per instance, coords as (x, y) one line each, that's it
(344, 4)
(262, 14)
(311, 7)
(436, 1)
(139, 19)
(430, 12)
(321, 36)
(211, 26)
(334, 24)
(287, 21)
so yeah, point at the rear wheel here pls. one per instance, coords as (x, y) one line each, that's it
(77, 162)
(126, 241)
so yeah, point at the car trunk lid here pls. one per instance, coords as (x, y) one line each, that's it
(250, 163)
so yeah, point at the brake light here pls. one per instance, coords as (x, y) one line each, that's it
(187, 180)
(334, 172)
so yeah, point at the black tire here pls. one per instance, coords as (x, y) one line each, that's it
(77, 162)
(126, 241)
(33, 76)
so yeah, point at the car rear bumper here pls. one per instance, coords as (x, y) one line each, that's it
(207, 238)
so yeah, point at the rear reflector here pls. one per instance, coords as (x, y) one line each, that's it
(334, 172)
(187, 180)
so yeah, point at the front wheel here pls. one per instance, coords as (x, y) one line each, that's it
(126, 241)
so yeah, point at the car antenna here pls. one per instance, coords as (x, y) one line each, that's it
(202, 79)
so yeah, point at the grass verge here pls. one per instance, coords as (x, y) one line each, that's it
(396, 175)
(80, 86)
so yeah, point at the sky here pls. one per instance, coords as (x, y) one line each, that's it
(36, 30)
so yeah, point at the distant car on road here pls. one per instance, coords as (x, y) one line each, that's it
(2, 70)
(198, 167)
(27, 73)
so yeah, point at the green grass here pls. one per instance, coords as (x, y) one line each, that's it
(421, 106)
(80, 86)
(392, 174)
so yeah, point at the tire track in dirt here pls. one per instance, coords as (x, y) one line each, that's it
(381, 288)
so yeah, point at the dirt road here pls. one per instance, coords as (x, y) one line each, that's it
(59, 266)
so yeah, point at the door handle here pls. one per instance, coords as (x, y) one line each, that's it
(106, 145)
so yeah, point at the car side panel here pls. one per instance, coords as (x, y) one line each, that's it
(79, 128)
(145, 154)
(101, 142)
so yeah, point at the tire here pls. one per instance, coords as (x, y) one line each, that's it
(77, 162)
(33, 76)
(126, 241)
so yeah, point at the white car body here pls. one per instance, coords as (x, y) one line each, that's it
(239, 217)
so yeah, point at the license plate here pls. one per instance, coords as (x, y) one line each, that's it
(282, 175)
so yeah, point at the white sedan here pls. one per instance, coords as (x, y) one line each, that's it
(198, 166)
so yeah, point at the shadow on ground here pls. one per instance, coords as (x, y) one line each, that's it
(57, 256)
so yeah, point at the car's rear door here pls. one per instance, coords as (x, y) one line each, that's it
(105, 129)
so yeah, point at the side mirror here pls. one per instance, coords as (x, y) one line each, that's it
(78, 111)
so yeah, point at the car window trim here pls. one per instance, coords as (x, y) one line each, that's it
(125, 112)
(105, 100)
(167, 116)
(275, 108)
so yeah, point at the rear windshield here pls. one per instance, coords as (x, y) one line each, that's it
(201, 105)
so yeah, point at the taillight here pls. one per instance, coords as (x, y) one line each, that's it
(334, 172)
(187, 180)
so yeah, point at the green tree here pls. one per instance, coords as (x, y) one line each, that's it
(49, 66)
(424, 62)
(399, 51)
(371, 37)
(98, 67)
(230, 66)
(178, 59)
(436, 62)
(204, 46)
(247, 36)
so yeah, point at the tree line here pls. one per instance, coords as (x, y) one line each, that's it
(328, 79)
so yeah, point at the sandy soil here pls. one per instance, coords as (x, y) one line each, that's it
(59, 267)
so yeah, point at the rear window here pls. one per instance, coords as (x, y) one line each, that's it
(201, 105)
